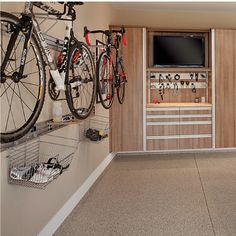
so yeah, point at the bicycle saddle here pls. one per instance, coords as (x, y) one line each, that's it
(72, 3)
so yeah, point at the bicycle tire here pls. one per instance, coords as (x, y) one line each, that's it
(121, 83)
(12, 135)
(105, 89)
(85, 64)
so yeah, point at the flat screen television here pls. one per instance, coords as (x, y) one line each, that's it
(178, 50)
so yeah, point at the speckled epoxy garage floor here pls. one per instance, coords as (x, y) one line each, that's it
(181, 194)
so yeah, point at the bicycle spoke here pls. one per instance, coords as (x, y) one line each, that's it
(25, 64)
(29, 90)
(10, 111)
(21, 102)
(31, 73)
(6, 89)
(29, 83)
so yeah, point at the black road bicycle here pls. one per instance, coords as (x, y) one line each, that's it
(24, 54)
(110, 74)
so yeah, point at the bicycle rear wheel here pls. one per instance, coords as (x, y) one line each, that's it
(21, 98)
(105, 74)
(80, 81)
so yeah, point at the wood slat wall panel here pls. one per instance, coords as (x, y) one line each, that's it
(184, 95)
(127, 130)
(225, 88)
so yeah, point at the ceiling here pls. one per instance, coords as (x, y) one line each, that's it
(176, 6)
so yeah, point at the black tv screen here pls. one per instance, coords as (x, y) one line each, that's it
(179, 51)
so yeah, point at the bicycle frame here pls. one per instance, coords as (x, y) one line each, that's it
(30, 25)
(59, 78)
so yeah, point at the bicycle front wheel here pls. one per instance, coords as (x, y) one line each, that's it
(21, 96)
(122, 80)
(80, 81)
(105, 75)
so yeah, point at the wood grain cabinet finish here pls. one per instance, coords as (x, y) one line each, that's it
(225, 74)
(127, 119)
(179, 128)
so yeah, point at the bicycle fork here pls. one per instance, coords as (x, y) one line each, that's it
(26, 25)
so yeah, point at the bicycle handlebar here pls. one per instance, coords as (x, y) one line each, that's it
(106, 32)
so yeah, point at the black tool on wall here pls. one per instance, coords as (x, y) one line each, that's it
(191, 75)
(194, 90)
(162, 90)
(161, 78)
(177, 77)
(169, 78)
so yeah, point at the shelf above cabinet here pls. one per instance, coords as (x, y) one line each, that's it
(177, 104)
(178, 69)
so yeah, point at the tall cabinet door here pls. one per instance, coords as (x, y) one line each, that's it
(225, 88)
(127, 119)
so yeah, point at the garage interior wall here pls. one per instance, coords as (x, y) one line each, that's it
(25, 211)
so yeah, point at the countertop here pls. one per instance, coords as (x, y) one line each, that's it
(178, 104)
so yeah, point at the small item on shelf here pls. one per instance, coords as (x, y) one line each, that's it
(182, 84)
(95, 135)
(156, 101)
(203, 99)
(197, 100)
(57, 111)
(196, 76)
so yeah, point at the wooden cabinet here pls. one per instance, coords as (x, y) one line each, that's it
(127, 119)
(179, 127)
(225, 64)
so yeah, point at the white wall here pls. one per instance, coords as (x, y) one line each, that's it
(25, 211)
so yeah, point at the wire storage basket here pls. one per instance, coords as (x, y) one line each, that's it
(96, 129)
(37, 163)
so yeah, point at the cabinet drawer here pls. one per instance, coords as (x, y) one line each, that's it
(163, 130)
(163, 112)
(169, 144)
(194, 129)
(195, 143)
(188, 112)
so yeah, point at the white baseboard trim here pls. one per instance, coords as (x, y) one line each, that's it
(176, 151)
(61, 215)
